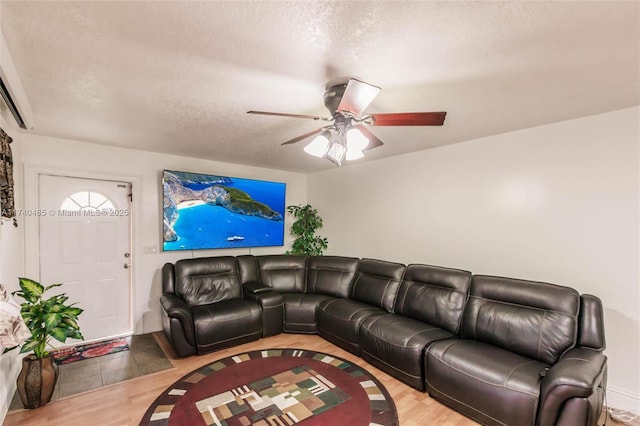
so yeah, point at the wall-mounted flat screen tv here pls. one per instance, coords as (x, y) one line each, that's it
(202, 211)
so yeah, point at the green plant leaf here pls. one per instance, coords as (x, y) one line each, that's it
(58, 299)
(26, 314)
(51, 321)
(59, 334)
(31, 290)
(29, 345)
(72, 311)
(76, 335)
(57, 308)
(51, 286)
(71, 322)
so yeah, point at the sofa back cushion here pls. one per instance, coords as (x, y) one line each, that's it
(331, 275)
(207, 280)
(248, 266)
(285, 273)
(377, 283)
(434, 295)
(533, 319)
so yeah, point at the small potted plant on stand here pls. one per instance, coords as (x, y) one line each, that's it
(45, 319)
(304, 229)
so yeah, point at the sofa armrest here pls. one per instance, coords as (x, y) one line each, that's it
(577, 375)
(177, 308)
(168, 278)
(271, 304)
(255, 287)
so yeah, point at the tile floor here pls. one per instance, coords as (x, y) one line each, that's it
(144, 357)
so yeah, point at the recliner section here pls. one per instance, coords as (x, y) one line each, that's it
(203, 306)
(512, 332)
(428, 308)
(288, 276)
(372, 294)
(499, 350)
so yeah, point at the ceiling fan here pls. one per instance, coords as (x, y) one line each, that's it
(348, 135)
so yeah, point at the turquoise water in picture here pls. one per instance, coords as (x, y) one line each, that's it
(203, 226)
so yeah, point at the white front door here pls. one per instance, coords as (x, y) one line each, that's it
(85, 244)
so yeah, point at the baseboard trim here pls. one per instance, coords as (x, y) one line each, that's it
(622, 399)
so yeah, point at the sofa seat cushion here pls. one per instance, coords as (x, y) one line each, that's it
(300, 312)
(227, 323)
(489, 384)
(339, 321)
(396, 344)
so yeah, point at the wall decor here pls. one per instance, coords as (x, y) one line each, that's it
(202, 211)
(7, 201)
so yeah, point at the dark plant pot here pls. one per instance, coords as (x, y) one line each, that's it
(37, 380)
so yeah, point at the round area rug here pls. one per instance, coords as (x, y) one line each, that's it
(275, 387)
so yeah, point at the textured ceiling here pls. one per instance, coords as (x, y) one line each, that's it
(178, 77)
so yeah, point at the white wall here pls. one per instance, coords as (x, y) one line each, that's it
(556, 203)
(11, 261)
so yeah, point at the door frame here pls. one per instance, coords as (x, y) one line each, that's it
(32, 228)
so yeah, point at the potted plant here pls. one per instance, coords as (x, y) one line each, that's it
(304, 229)
(45, 319)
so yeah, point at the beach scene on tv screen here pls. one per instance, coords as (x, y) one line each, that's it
(202, 211)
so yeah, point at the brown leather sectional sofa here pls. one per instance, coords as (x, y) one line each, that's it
(499, 350)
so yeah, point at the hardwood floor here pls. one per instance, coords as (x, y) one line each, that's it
(125, 403)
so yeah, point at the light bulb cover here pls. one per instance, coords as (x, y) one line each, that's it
(356, 140)
(336, 153)
(318, 147)
(354, 154)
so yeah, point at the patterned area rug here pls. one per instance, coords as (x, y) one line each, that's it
(90, 350)
(275, 387)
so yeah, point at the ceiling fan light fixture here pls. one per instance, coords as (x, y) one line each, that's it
(318, 147)
(337, 145)
(348, 134)
(354, 154)
(356, 140)
(336, 153)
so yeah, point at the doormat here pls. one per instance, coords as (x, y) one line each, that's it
(90, 350)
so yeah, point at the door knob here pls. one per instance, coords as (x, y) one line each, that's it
(127, 255)
(127, 266)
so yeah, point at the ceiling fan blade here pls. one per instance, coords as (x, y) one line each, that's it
(282, 114)
(357, 96)
(374, 142)
(306, 135)
(409, 119)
